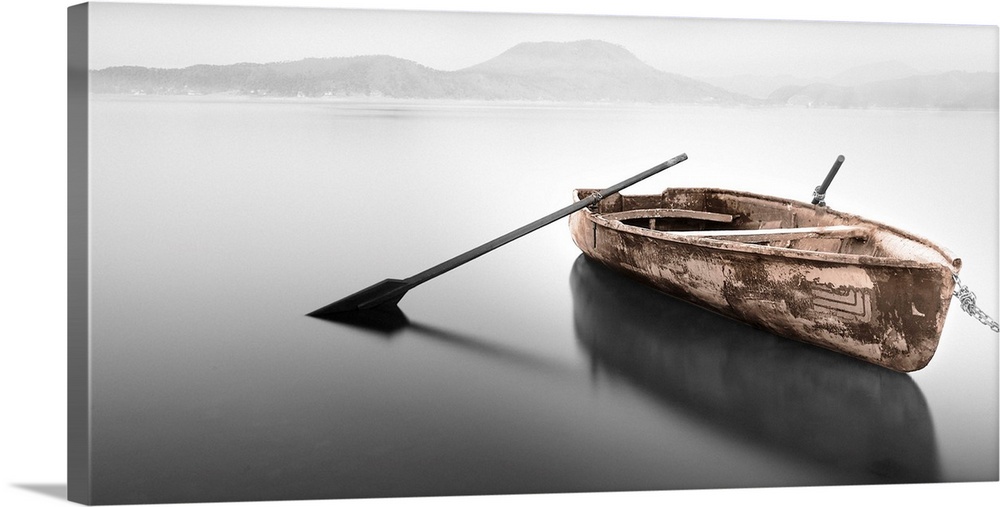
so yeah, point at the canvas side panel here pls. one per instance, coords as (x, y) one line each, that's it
(78, 304)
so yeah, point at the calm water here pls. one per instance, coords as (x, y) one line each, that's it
(217, 224)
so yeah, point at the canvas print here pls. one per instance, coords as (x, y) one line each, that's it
(344, 253)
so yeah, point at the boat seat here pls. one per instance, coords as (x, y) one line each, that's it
(765, 235)
(668, 213)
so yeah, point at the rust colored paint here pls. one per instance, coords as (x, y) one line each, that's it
(881, 296)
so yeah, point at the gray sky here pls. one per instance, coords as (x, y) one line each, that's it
(177, 36)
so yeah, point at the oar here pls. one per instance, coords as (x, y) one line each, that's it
(388, 292)
(819, 195)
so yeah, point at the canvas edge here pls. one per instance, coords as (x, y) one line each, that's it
(78, 262)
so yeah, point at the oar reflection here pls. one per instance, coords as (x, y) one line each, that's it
(390, 321)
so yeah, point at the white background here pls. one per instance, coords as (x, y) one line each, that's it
(33, 247)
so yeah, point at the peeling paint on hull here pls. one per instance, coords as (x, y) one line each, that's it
(800, 271)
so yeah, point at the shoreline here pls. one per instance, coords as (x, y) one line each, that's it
(373, 102)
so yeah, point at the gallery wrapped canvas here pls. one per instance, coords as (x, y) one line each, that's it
(234, 169)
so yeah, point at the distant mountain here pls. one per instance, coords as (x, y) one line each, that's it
(756, 85)
(581, 71)
(590, 71)
(950, 90)
(360, 75)
(532, 58)
(551, 71)
(883, 84)
(870, 73)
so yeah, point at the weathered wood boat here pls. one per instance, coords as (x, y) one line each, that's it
(798, 270)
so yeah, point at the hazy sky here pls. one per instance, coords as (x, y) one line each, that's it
(177, 36)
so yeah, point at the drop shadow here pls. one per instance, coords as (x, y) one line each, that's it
(863, 423)
(52, 490)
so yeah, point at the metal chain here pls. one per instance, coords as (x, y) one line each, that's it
(968, 301)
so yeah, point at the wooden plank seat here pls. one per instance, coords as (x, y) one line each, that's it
(792, 233)
(668, 213)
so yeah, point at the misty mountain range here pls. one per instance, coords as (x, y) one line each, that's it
(582, 71)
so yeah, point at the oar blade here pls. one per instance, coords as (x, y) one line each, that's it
(383, 320)
(388, 292)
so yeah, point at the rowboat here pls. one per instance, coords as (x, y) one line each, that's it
(798, 270)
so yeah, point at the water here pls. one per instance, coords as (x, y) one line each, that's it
(217, 223)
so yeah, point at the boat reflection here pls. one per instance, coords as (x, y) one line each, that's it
(864, 424)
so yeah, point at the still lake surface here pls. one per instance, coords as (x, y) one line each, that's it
(218, 223)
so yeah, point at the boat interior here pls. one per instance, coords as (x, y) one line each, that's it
(760, 220)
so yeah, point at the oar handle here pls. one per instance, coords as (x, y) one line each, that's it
(453, 263)
(613, 189)
(819, 195)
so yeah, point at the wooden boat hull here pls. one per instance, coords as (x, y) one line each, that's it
(883, 301)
